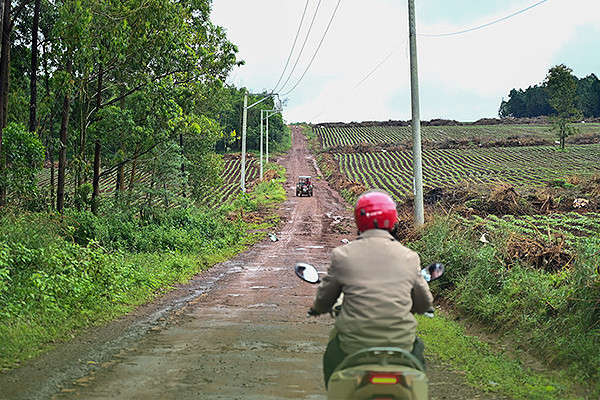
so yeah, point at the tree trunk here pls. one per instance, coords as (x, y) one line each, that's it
(120, 180)
(4, 54)
(51, 151)
(133, 168)
(96, 181)
(34, 68)
(97, 148)
(50, 137)
(62, 158)
(183, 192)
(121, 169)
(6, 80)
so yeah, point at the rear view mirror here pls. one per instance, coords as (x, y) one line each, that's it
(307, 272)
(433, 271)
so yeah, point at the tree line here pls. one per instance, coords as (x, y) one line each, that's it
(93, 88)
(535, 100)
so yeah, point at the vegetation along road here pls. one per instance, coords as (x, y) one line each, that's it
(236, 331)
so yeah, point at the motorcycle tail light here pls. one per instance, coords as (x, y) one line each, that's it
(384, 378)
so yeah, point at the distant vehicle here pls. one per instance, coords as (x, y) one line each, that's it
(304, 186)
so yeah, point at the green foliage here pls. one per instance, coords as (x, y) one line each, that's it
(561, 86)
(263, 195)
(529, 103)
(548, 308)
(24, 159)
(491, 367)
(62, 273)
(534, 101)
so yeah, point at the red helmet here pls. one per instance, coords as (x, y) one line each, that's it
(375, 210)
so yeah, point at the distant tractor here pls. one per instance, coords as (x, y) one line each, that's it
(304, 186)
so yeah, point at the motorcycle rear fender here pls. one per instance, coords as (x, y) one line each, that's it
(349, 383)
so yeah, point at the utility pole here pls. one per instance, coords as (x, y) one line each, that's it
(416, 118)
(267, 137)
(268, 114)
(261, 144)
(244, 122)
(244, 128)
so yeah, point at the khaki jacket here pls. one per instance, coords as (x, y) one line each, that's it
(382, 287)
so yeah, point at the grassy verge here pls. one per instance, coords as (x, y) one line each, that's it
(490, 367)
(540, 309)
(60, 274)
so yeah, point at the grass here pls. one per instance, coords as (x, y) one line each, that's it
(62, 274)
(489, 367)
(549, 311)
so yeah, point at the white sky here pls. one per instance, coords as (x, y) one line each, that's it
(462, 77)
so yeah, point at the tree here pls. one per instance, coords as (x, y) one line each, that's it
(588, 96)
(24, 159)
(4, 67)
(516, 105)
(561, 85)
(529, 103)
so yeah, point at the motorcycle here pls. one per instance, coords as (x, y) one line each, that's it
(376, 373)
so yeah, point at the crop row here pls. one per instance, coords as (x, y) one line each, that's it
(229, 188)
(520, 166)
(230, 181)
(345, 136)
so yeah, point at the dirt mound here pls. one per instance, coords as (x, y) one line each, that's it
(369, 148)
(542, 120)
(550, 253)
(368, 124)
(584, 138)
(466, 143)
(237, 156)
(572, 194)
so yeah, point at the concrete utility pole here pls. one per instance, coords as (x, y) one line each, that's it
(261, 144)
(264, 116)
(269, 113)
(416, 118)
(244, 122)
(244, 128)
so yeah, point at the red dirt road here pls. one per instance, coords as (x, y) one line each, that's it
(237, 331)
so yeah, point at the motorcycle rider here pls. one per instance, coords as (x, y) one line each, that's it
(382, 286)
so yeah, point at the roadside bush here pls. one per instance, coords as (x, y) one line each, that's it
(60, 273)
(552, 312)
(24, 154)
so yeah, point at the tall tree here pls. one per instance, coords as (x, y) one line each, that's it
(4, 73)
(34, 67)
(561, 86)
(588, 96)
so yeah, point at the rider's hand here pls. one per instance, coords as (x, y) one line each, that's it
(312, 313)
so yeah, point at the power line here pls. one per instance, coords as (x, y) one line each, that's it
(484, 25)
(428, 35)
(363, 79)
(293, 46)
(303, 44)
(316, 51)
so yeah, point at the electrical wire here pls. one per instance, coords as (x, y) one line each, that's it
(403, 44)
(484, 25)
(303, 45)
(429, 35)
(293, 47)
(316, 51)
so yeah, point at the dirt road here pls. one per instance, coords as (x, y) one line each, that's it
(237, 331)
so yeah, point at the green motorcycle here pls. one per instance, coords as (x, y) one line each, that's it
(376, 373)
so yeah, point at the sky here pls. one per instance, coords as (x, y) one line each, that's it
(349, 59)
